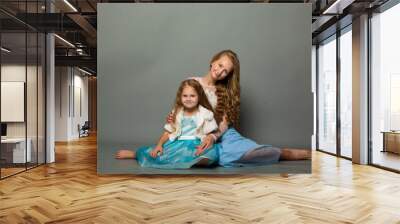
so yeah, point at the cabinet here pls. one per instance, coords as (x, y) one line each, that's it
(13, 150)
(391, 142)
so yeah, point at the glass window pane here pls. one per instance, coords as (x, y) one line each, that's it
(385, 88)
(22, 88)
(14, 152)
(327, 96)
(31, 101)
(346, 94)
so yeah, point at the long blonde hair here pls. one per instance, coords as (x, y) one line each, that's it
(203, 100)
(228, 90)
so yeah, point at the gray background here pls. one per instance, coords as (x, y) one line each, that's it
(146, 50)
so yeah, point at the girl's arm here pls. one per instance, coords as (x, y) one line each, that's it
(223, 126)
(164, 137)
(170, 118)
(211, 138)
(158, 149)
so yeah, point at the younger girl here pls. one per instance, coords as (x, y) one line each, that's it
(177, 147)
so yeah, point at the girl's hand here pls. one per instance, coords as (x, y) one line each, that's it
(170, 118)
(207, 143)
(155, 152)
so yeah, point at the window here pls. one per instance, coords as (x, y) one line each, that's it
(385, 88)
(327, 95)
(346, 92)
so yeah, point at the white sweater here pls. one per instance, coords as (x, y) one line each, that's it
(205, 123)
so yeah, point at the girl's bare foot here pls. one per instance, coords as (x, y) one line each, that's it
(295, 154)
(125, 154)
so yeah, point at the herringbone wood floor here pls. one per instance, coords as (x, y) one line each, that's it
(70, 191)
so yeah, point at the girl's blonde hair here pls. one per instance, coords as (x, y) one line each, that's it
(203, 100)
(228, 91)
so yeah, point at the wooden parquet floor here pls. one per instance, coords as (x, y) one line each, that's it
(69, 191)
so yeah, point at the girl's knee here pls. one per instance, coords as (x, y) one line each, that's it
(203, 162)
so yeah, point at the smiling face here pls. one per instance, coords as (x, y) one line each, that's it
(189, 97)
(224, 73)
(220, 68)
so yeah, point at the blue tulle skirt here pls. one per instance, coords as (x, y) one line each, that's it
(177, 154)
(233, 146)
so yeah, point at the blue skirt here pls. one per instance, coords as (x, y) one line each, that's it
(233, 146)
(177, 154)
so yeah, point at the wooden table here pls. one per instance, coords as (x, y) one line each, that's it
(391, 141)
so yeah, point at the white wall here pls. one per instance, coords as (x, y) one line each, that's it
(14, 72)
(70, 83)
(61, 103)
(79, 110)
